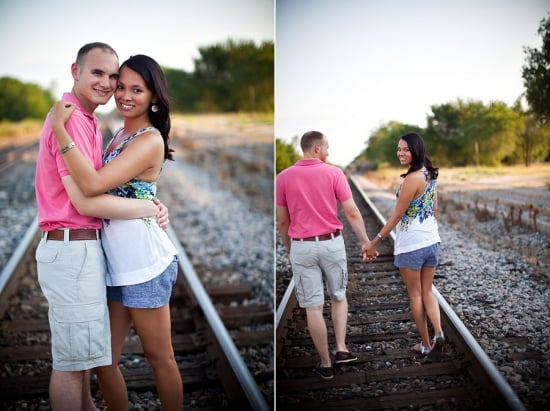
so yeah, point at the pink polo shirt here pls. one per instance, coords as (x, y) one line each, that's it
(311, 190)
(54, 207)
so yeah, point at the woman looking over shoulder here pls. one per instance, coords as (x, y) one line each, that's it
(417, 243)
(141, 259)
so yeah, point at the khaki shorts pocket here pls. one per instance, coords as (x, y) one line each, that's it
(46, 255)
(78, 332)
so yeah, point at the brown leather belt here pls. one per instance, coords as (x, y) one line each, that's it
(322, 237)
(74, 234)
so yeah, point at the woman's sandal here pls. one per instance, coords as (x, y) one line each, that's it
(437, 347)
(420, 348)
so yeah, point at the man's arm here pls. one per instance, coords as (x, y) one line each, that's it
(353, 215)
(283, 222)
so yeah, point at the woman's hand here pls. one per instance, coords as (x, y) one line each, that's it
(59, 114)
(162, 216)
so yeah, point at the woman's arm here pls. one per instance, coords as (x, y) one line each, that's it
(411, 187)
(108, 206)
(131, 163)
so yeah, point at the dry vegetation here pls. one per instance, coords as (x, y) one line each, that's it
(517, 194)
(498, 206)
(21, 132)
(253, 127)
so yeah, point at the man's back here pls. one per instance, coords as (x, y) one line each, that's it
(311, 190)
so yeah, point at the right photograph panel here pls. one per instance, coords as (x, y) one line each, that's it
(411, 200)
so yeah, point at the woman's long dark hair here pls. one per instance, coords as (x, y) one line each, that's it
(420, 159)
(154, 78)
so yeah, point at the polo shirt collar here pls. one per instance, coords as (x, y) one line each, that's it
(308, 162)
(72, 98)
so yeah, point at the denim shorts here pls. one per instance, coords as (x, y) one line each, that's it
(313, 261)
(72, 277)
(415, 260)
(151, 294)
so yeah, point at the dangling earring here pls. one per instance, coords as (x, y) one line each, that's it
(154, 108)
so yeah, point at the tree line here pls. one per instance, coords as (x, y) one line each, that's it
(463, 133)
(469, 132)
(227, 77)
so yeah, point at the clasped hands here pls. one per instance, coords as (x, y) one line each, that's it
(369, 252)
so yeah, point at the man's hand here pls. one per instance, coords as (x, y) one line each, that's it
(369, 252)
(162, 216)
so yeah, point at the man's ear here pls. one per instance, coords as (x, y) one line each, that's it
(75, 69)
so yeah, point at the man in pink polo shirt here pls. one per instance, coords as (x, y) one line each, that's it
(70, 260)
(307, 197)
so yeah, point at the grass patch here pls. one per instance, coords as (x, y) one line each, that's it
(388, 177)
(10, 130)
(232, 120)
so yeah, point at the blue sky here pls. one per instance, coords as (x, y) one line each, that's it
(346, 67)
(39, 39)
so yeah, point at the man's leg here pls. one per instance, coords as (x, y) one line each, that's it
(318, 331)
(88, 403)
(339, 322)
(66, 390)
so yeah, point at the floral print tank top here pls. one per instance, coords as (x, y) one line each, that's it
(137, 250)
(421, 207)
(134, 188)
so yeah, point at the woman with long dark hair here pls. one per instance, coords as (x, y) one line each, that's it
(141, 260)
(417, 243)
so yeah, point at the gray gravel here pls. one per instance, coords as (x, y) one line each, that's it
(17, 207)
(221, 231)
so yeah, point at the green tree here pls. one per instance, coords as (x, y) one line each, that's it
(184, 93)
(536, 74)
(20, 100)
(382, 144)
(471, 133)
(445, 134)
(236, 76)
(533, 139)
(492, 134)
(285, 154)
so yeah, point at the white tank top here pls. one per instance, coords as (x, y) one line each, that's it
(136, 250)
(418, 226)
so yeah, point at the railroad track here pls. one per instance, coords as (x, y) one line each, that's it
(10, 155)
(206, 338)
(211, 359)
(387, 374)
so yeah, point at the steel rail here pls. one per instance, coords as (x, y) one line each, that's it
(250, 388)
(14, 263)
(242, 373)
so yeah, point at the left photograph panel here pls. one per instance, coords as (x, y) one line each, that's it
(137, 165)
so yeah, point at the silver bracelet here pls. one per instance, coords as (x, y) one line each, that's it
(68, 147)
(379, 236)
